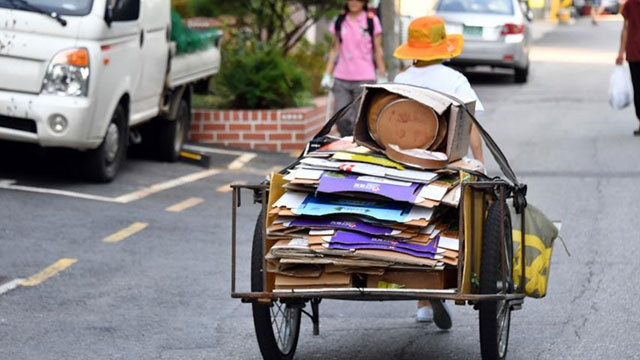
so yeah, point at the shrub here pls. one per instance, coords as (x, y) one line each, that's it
(311, 59)
(256, 76)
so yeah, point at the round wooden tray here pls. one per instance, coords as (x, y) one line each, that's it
(408, 124)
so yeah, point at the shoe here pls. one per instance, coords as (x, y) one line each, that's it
(424, 314)
(636, 132)
(441, 314)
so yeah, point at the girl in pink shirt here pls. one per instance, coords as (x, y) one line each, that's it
(353, 59)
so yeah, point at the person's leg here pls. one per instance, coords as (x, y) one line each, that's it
(343, 95)
(634, 69)
(595, 11)
(349, 90)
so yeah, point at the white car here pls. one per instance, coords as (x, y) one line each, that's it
(496, 33)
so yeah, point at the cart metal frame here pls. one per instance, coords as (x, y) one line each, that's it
(509, 294)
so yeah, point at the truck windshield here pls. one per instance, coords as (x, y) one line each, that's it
(64, 7)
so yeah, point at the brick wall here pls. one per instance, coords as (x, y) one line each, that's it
(283, 130)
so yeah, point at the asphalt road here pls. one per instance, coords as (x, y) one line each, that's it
(140, 268)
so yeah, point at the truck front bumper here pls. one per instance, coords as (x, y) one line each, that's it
(29, 117)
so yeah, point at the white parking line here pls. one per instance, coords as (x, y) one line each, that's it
(8, 286)
(123, 199)
(239, 162)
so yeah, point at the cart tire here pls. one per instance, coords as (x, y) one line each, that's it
(277, 324)
(495, 316)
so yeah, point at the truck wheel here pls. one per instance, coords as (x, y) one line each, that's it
(173, 133)
(102, 164)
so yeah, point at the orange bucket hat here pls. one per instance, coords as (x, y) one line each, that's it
(429, 41)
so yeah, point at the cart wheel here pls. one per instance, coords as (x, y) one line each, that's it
(495, 316)
(277, 324)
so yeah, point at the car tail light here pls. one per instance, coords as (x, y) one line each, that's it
(511, 29)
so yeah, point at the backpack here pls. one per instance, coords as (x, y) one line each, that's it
(338, 26)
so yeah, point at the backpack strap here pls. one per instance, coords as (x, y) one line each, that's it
(373, 41)
(337, 26)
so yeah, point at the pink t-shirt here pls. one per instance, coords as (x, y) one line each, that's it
(355, 60)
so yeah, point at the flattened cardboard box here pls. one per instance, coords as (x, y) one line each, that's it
(326, 280)
(442, 279)
(458, 120)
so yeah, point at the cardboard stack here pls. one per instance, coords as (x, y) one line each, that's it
(355, 218)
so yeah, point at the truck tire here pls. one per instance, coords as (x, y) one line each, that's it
(173, 133)
(102, 164)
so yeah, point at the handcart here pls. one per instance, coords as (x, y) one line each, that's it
(484, 271)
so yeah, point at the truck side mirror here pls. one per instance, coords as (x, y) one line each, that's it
(108, 11)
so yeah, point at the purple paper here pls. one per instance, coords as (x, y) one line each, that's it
(340, 224)
(348, 238)
(339, 246)
(332, 182)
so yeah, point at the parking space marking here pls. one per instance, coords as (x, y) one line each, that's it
(10, 285)
(123, 199)
(183, 205)
(48, 272)
(227, 187)
(125, 233)
(243, 157)
(137, 195)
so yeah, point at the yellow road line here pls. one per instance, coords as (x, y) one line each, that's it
(227, 187)
(241, 161)
(190, 202)
(125, 233)
(50, 271)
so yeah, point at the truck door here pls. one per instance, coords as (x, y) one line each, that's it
(154, 48)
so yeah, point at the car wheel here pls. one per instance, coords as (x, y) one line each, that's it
(521, 75)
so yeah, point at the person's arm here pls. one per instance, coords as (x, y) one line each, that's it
(378, 54)
(475, 143)
(333, 54)
(623, 42)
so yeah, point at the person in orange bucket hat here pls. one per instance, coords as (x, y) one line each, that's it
(428, 45)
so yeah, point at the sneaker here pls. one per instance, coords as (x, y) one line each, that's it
(424, 314)
(441, 314)
(636, 132)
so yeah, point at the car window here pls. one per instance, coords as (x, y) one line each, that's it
(500, 7)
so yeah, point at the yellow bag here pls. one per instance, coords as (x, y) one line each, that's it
(540, 233)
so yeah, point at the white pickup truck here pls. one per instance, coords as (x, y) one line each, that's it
(84, 74)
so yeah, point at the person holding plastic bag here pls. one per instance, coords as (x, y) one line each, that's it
(630, 50)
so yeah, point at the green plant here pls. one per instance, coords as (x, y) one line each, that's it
(258, 76)
(310, 58)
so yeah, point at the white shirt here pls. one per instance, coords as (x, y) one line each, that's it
(441, 78)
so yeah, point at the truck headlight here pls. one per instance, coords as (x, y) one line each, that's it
(68, 73)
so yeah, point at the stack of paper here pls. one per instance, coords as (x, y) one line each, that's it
(361, 215)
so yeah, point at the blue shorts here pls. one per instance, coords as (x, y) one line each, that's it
(596, 3)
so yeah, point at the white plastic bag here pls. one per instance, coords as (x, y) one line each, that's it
(620, 88)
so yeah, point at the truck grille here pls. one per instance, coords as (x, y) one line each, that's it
(18, 124)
